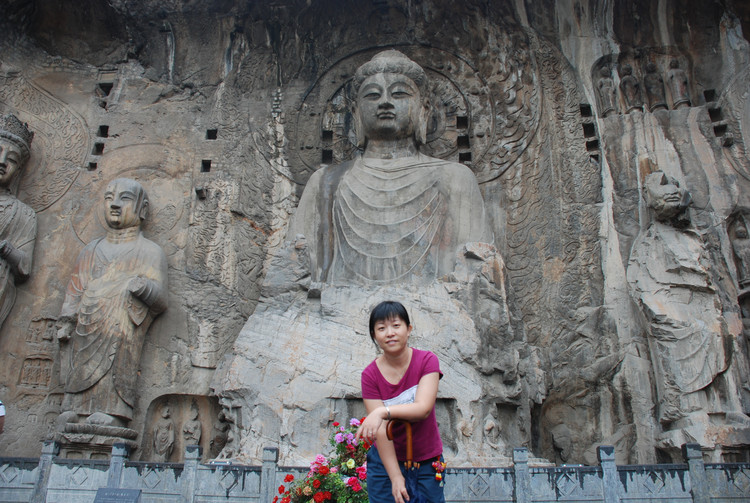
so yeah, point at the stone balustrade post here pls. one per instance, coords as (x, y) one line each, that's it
(522, 475)
(606, 455)
(268, 473)
(120, 454)
(193, 455)
(50, 449)
(698, 485)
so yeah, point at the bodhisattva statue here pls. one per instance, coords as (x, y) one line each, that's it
(118, 286)
(631, 90)
(17, 221)
(678, 85)
(654, 84)
(607, 93)
(392, 214)
(669, 276)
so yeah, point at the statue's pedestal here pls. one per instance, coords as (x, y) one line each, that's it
(91, 441)
(721, 436)
(296, 365)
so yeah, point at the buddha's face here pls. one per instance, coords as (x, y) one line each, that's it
(121, 204)
(389, 106)
(666, 197)
(10, 161)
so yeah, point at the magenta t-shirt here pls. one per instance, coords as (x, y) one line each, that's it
(426, 441)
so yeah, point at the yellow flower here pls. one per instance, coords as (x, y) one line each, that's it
(351, 464)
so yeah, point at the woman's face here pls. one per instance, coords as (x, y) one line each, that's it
(389, 105)
(392, 335)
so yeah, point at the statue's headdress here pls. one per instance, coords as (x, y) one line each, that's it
(16, 131)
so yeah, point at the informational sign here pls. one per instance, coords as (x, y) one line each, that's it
(111, 495)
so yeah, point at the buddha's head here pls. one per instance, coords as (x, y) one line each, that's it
(15, 147)
(666, 198)
(125, 204)
(391, 99)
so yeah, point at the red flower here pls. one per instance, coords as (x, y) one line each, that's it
(318, 497)
(289, 478)
(286, 499)
(336, 423)
(354, 484)
(323, 470)
(275, 499)
(316, 483)
(327, 495)
(281, 489)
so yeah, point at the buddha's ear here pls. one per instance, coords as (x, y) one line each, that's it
(361, 141)
(424, 115)
(143, 213)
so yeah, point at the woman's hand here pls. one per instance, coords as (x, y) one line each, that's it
(372, 423)
(398, 489)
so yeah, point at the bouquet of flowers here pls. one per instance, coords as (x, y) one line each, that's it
(342, 478)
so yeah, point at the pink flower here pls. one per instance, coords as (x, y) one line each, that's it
(354, 422)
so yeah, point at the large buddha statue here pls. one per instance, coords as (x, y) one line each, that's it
(17, 220)
(391, 223)
(391, 214)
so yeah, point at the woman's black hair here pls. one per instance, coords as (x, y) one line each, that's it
(387, 310)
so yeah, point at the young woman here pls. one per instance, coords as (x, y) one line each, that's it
(401, 383)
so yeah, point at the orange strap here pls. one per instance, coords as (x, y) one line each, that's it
(409, 452)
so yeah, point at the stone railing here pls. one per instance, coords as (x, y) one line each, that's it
(51, 479)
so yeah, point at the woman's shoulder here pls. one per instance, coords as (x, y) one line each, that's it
(424, 357)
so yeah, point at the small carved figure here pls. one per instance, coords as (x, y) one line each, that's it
(607, 93)
(631, 90)
(741, 246)
(118, 286)
(17, 221)
(191, 430)
(654, 85)
(678, 85)
(163, 436)
(220, 433)
(393, 214)
(669, 277)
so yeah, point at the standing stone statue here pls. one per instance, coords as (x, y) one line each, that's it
(669, 278)
(118, 286)
(392, 214)
(678, 85)
(219, 434)
(654, 84)
(631, 90)
(191, 430)
(163, 436)
(17, 221)
(607, 93)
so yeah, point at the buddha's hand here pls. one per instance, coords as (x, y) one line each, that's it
(6, 248)
(138, 286)
(64, 330)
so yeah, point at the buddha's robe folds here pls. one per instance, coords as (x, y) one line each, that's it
(111, 323)
(18, 227)
(377, 221)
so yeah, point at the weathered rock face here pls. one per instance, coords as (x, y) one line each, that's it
(224, 111)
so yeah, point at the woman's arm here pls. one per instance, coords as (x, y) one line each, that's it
(387, 453)
(423, 404)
